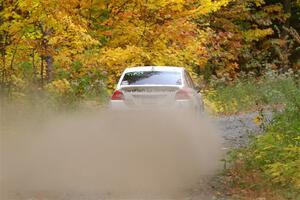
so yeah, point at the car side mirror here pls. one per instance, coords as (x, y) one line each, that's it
(198, 88)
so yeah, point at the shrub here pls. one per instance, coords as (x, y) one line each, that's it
(246, 94)
(271, 163)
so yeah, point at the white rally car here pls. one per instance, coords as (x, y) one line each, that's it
(156, 87)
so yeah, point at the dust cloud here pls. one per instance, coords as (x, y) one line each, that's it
(105, 155)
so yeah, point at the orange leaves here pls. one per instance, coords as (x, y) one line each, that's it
(119, 33)
(161, 32)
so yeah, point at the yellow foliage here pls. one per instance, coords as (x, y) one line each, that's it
(258, 119)
(259, 2)
(112, 35)
(116, 60)
(59, 87)
(209, 6)
(18, 87)
(273, 8)
(213, 106)
(18, 83)
(174, 5)
(278, 169)
(257, 34)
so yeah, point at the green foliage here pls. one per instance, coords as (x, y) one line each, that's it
(251, 36)
(273, 156)
(248, 93)
(270, 165)
(42, 39)
(277, 153)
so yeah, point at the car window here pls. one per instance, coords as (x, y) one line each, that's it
(152, 78)
(189, 80)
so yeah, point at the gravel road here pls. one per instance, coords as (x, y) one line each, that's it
(235, 131)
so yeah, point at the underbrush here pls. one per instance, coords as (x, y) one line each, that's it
(69, 89)
(249, 93)
(269, 167)
(59, 95)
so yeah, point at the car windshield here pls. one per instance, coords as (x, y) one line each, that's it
(152, 78)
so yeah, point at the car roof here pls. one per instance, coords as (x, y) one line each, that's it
(154, 68)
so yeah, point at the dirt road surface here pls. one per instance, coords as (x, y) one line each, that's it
(182, 164)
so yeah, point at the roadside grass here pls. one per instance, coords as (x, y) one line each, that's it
(269, 167)
(248, 94)
(58, 96)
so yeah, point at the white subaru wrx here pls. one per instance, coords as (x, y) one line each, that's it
(156, 87)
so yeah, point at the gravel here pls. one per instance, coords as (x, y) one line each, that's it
(236, 130)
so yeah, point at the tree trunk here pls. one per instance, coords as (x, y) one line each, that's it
(42, 72)
(48, 57)
(33, 66)
(49, 67)
(287, 7)
(3, 37)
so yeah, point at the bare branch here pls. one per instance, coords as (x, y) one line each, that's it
(293, 33)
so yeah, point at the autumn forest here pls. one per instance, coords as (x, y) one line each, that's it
(84, 45)
(244, 54)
